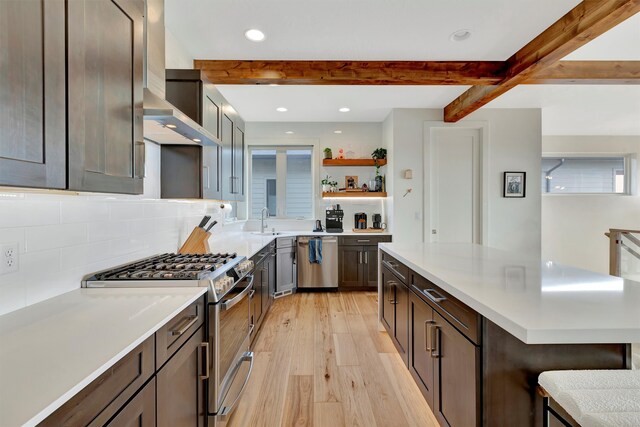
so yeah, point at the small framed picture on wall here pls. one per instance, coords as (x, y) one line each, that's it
(515, 184)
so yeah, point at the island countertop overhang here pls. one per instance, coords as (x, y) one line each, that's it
(538, 302)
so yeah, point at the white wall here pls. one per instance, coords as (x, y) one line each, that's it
(176, 54)
(63, 236)
(361, 138)
(573, 226)
(514, 145)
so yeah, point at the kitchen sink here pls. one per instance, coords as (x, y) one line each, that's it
(267, 233)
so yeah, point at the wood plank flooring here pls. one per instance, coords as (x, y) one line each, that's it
(321, 360)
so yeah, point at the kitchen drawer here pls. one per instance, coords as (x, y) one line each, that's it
(177, 331)
(463, 318)
(101, 399)
(399, 269)
(286, 242)
(363, 240)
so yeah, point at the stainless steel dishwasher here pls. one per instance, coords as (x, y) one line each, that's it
(314, 275)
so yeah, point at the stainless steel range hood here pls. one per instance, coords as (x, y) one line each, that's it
(164, 123)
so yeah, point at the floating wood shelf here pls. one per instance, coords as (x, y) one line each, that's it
(353, 162)
(355, 194)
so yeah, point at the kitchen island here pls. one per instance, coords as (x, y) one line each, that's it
(476, 326)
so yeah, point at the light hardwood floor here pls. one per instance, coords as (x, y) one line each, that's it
(321, 361)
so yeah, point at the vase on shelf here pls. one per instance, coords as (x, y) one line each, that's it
(326, 188)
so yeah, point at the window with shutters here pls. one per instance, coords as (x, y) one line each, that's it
(591, 175)
(281, 180)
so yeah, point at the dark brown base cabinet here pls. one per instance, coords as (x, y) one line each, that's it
(395, 311)
(159, 383)
(358, 262)
(470, 371)
(264, 285)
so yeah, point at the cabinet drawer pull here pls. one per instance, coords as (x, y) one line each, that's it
(207, 360)
(359, 257)
(391, 284)
(427, 334)
(186, 324)
(394, 267)
(363, 240)
(433, 295)
(435, 352)
(366, 257)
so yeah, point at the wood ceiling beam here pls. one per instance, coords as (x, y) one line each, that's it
(589, 72)
(353, 72)
(585, 22)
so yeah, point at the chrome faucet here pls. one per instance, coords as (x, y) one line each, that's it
(263, 225)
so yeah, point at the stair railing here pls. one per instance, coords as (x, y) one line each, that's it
(617, 245)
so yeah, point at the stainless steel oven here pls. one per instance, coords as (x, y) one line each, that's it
(231, 362)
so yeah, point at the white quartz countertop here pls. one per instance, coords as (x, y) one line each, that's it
(248, 243)
(51, 350)
(539, 302)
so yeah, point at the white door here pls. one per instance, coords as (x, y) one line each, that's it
(454, 180)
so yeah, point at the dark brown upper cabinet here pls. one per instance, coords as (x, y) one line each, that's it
(191, 93)
(105, 74)
(32, 94)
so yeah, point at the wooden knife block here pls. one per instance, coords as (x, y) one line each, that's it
(196, 243)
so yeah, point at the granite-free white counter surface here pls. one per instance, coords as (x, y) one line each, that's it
(51, 350)
(536, 301)
(249, 243)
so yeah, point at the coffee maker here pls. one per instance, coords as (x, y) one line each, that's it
(334, 220)
(360, 221)
(377, 222)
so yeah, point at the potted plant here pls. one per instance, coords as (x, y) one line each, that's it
(378, 154)
(326, 184)
(327, 153)
(334, 186)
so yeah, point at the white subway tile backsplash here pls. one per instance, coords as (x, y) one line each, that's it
(55, 236)
(63, 237)
(25, 213)
(99, 231)
(84, 211)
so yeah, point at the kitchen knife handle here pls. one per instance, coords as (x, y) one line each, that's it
(211, 225)
(204, 221)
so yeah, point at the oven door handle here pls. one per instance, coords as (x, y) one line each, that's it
(246, 357)
(235, 300)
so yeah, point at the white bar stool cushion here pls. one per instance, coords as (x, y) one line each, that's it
(619, 419)
(555, 382)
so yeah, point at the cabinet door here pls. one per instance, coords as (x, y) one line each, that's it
(370, 267)
(212, 111)
(350, 266)
(180, 385)
(140, 411)
(256, 307)
(286, 270)
(402, 321)
(104, 65)
(265, 285)
(211, 172)
(273, 277)
(238, 163)
(227, 158)
(457, 372)
(32, 94)
(420, 338)
(388, 301)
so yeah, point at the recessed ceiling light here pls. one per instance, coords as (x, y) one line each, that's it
(289, 132)
(337, 131)
(460, 35)
(344, 109)
(281, 110)
(254, 35)
(170, 126)
(196, 140)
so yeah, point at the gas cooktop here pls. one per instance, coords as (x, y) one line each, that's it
(218, 271)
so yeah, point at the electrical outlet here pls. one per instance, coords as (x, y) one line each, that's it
(9, 257)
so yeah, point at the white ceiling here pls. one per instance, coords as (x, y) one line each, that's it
(408, 30)
(360, 29)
